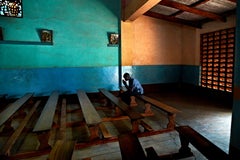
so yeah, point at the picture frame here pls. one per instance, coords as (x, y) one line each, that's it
(1, 34)
(114, 39)
(11, 8)
(46, 36)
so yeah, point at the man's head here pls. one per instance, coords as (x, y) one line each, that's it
(126, 76)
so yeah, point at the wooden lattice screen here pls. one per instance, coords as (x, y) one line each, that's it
(217, 59)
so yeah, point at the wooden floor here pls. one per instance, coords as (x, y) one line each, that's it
(209, 117)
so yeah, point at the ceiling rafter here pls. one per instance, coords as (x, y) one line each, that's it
(192, 10)
(136, 8)
(173, 19)
(192, 5)
(132, 9)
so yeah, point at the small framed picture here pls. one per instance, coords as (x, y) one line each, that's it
(1, 34)
(113, 38)
(46, 35)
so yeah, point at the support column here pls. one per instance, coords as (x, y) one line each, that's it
(234, 147)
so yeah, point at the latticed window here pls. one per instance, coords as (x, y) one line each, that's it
(217, 59)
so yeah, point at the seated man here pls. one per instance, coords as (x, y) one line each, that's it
(133, 88)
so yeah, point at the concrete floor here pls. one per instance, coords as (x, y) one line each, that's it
(209, 117)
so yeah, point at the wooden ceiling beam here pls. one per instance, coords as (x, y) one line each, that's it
(173, 19)
(186, 8)
(192, 5)
(136, 8)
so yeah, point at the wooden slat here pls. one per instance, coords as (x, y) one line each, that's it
(123, 106)
(89, 112)
(159, 104)
(7, 147)
(62, 130)
(207, 148)
(11, 109)
(46, 118)
(130, 147)
(62, 150)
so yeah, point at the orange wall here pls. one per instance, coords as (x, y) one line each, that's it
(150, 41)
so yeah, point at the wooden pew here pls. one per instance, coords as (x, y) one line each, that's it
(130, 147)
(45, 121)
(135, 117)
(62, 150)
(207, 148)
(90, 114)
(12, 108)
(171, 112)
(6, 150)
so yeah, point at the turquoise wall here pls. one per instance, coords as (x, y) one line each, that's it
(79, 56)
(79, 27)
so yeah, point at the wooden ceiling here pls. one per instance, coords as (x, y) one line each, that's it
(188, 12)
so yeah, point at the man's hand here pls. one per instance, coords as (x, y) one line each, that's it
(124, 82)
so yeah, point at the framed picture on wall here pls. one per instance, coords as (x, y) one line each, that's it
(113, 38)
(1, 34)
(46, 35)
(11, 8)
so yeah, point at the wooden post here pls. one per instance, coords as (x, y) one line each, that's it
(148, 110)
(94, 132)
(135, 126)
(43, 138)
(171, 121)
(133, 102)
(118, 112)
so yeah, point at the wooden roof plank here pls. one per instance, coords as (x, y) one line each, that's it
(192, 10)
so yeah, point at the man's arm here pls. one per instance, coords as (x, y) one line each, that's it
(125, 84)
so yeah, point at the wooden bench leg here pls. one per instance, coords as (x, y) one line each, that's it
(171, 121)
(94, 132)
(133, 102)
(8, 127)
(118, 112)
(135, 126)
(148, 110)
(184, 151)
(152, 154)
(43, 138)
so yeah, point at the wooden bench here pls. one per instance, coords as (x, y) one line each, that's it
(130, 147)
(12, 108)
(62, 150)
(6, 150)
(45, 121)
(135, 117)
(171, 112)
(207, 148)
(90, 114)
